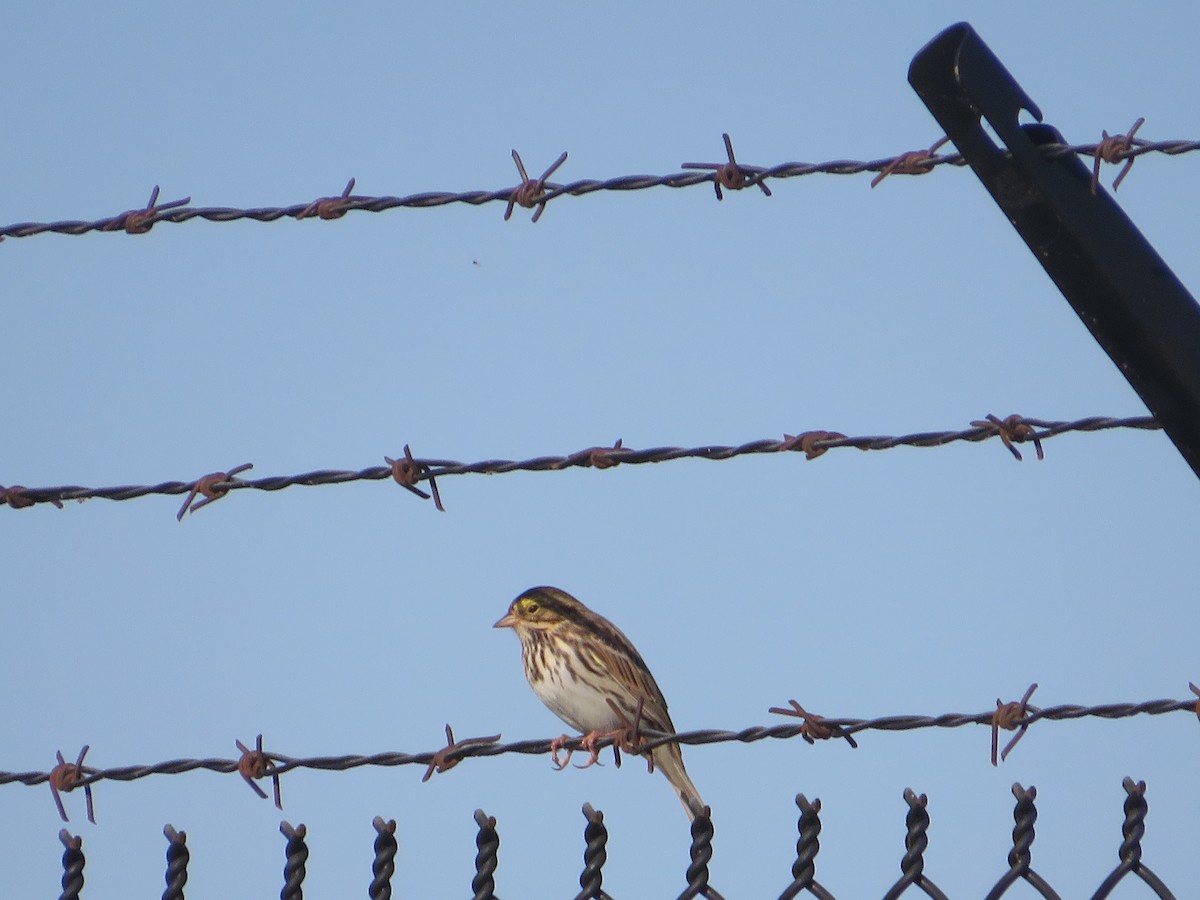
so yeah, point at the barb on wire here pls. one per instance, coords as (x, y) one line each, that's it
(811, 443)
(15, 497)
(213, 486)
(276, 765)
(140, 221)
(815, 728)
(596, 457)
(915, 162)
(1012, 430)
(730, 174)
(446, 759)
(1113, 149)
(65, 777)
(1010, 716)
(257, 764)
(529, 193)
(406, 472)
(331, 207)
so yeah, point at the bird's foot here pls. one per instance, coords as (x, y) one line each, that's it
(556, 747)
(588, 742)
(620, 737)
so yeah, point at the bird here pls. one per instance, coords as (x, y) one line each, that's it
(591, 676)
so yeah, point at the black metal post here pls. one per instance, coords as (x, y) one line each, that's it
(1124, 292)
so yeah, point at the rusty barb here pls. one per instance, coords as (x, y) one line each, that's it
(1115, 148)
(914, 162)
(1012, 430)
(65, 777)
(407, 471)
(1009, 716)
(530, 192)
(257, 763)
(1196, 691)
(806, 442)
(730, 174)
(208, 486)
(14, 496)
(595, 457)
(446, 759)
(813, 727)
(332, 207)
(140, 221)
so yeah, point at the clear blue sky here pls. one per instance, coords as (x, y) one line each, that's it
(357, 619)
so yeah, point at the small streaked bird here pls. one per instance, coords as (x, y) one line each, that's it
(577, 662)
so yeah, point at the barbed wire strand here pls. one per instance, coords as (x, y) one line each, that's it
(440, 760)
(408, 471)
(536, 193)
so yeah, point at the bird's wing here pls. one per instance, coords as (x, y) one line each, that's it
(635, 678)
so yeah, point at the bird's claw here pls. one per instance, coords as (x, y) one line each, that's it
(588, 742)
(556, 747)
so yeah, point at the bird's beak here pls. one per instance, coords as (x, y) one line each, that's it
(509, 621)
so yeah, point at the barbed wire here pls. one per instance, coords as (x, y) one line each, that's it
(408, 471)
(256, 763)
(535, 193)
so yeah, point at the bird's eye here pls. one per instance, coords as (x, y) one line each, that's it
(531, 607)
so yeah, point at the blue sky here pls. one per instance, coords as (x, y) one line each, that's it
(357, 619)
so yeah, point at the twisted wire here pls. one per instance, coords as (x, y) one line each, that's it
(804, 869)
(140, 221)
(487, 849)
(700, 854)
(1019, 858)
(294, 863)
(1024, 817)
(384, 865)
(1133, 829)
(916, 841)
(595, 855)
(812, 444)
(177, 863)
(72, 863)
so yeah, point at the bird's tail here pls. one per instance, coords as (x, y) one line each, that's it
(669, 759)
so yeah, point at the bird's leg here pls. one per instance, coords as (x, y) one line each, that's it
(556, 747)
(626, 736)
